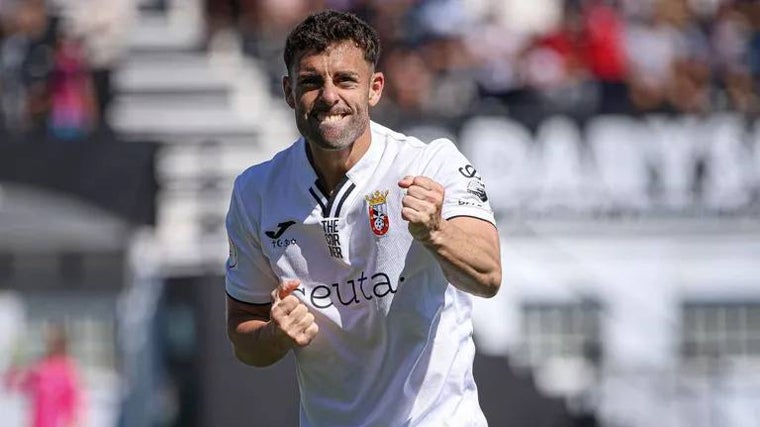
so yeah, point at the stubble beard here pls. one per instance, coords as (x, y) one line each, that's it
(326, 139)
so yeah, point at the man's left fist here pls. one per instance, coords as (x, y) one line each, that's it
(421, 206)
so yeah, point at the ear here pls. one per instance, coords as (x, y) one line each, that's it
(287, 90)
(376, 85)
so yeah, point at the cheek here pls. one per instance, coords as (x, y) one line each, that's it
(307, 97)
(361, 100)
(304, 103)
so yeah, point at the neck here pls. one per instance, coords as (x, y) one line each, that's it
(331, 165)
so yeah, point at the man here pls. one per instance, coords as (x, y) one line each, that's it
(357, 248)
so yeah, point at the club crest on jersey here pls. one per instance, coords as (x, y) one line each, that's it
(378, 212)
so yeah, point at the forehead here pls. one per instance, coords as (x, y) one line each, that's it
(341, 55)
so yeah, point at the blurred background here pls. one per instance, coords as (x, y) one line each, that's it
(620, 142)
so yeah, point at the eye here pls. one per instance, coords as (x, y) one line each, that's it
(310, 81)
(347, 81)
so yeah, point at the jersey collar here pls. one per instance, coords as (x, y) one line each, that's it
(358, 174)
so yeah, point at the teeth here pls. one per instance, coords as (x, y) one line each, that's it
(330, 118)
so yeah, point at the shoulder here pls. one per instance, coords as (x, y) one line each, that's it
(254, 180)
(425, 156)
(405, 144)
(441, 147)
(437, 152)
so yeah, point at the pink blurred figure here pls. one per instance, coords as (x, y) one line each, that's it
(52, 385)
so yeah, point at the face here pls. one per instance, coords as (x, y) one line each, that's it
(330, 93)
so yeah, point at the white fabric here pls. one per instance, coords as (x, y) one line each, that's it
(394, 346)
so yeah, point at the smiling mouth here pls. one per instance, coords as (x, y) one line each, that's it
(330, 117)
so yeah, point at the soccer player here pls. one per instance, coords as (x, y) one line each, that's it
(358, 248)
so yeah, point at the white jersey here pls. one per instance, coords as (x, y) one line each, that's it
(395, 338)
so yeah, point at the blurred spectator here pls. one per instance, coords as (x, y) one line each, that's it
(732, 33)
(25, 65)
(752, 11)
(690, 90)
(653, 46)
(56, 65)
(603, 45)
(555, 62)
(72, 99)
(605, 51)
(447, 19)
(407, 93)
(221, 14)
(494, 48)
(528, 17)
(52, 384)
(102, 28)
(453, 67)
(264, 27)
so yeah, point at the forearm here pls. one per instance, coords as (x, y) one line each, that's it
(255, 343)
(469, 262)
(467, 248)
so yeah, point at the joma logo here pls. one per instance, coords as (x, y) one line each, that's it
(281, 227)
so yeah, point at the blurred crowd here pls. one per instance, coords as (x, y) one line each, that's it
(56, 61)
(445, 59)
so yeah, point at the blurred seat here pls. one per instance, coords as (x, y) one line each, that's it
(147, 72)
(177, 122)
(190, 228)
(214, 116)
(193, 167)
(178, 26)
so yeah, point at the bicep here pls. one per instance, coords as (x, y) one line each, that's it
(240, 313)
(482, 231)
(249, 274)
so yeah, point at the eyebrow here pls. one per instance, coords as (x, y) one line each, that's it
(352, 74)
(310, 72)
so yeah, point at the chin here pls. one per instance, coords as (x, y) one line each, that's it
(332, 141)
(333, 145)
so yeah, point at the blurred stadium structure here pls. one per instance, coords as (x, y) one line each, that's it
(620, 143)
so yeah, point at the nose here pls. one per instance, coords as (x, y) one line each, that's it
(329, 94)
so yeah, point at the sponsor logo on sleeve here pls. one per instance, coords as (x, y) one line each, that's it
(468, 171)
(475, 186)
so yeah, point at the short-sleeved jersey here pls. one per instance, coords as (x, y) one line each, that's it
(395, 338)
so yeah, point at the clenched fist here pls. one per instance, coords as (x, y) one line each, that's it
(293, 323)
(421, 206)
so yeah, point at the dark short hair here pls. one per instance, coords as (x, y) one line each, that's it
(321, 29)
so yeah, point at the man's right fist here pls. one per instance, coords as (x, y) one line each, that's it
(293, 323)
